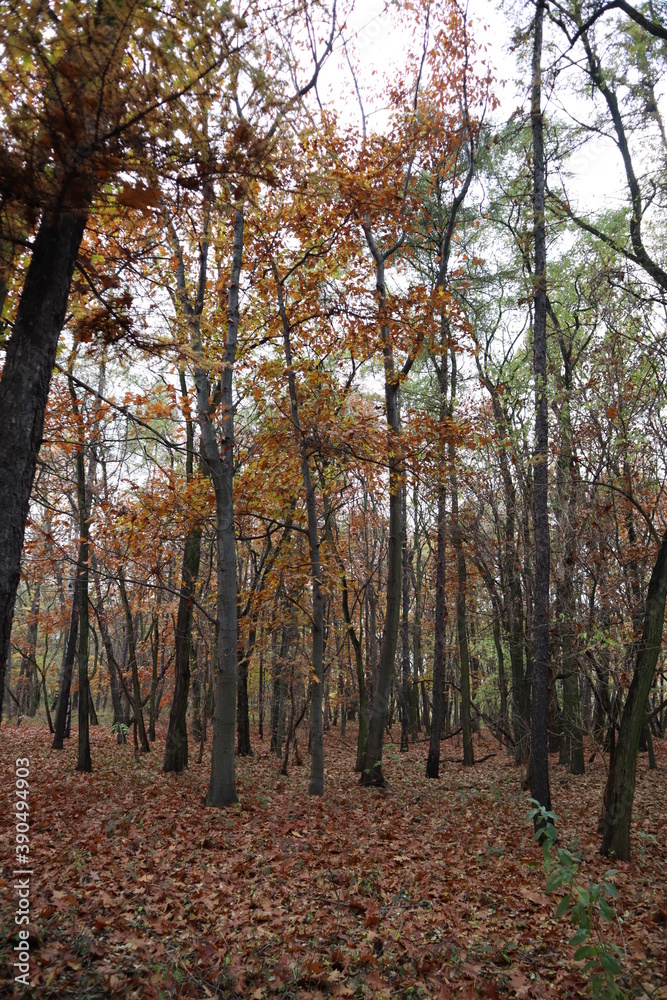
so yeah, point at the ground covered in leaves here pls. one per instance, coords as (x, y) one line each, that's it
(430, 889)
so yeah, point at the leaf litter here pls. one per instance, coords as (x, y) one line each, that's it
(429, 889)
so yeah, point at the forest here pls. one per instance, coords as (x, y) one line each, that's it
(333, 510)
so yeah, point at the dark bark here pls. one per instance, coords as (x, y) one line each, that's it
(137, 710)
(572, 746)
(155, 656)
(84, 762)
(176, 746)
(243, 747)
(405, 630)
(620, 790)
(219, 455)
(415, 722)
(260, 706)
(361, 679)
(461, 615)
(539, 757)
(24, 387)
(69, 655)
(433, 762)
(316, 786)
(29, 681)
(382, 689)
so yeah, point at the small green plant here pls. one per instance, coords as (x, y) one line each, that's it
(589, 909)
(120, 727)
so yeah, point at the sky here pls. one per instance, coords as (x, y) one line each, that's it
(378, 46)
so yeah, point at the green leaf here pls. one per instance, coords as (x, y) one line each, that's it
(579, 937)
(563, 906)
(586, 951)
(609, 963)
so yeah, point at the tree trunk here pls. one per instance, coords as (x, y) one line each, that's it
(372, 770)
(243, 747)
(84, 762)
(155, 655)
(29, 675)
(134, 667)
(69, 655)
(620, 790)
(176, 746)
(433, 762)
(24, 387)
(316, 786)
(461, 624)
(539, 757)
(405, 630)
(416, 621)
(361, 679)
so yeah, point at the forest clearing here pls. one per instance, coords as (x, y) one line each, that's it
(427, 889)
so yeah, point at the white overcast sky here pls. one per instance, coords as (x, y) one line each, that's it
(377, 45)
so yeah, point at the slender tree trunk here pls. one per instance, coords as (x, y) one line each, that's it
(69, 656)
(382, 690)
(416, 621)
(316, 786)
(84, 762)
(220, 460)
(24, 387)
(29, 675)
(243, 709)
(620, 790)
(461, 623)
(405, 630)
(433, 762)
(176, 745)
(134, 667)
(260, 706)
(361, 679)
(155, 656)
(539, 757)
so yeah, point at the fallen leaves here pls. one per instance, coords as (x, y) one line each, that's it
(139, 892)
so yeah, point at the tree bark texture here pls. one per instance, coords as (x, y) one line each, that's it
(433, 761)
(539, 757)
(620, 791)
(316, 786)
(372, 770)
(220, 461)
(24, 387)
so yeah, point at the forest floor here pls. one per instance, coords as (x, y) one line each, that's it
(429, 889)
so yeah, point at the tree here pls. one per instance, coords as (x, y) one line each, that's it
(539, 758)
(66, 81)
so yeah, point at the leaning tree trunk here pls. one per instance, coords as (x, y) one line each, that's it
(539, 756)
(620, 790)
(24, 387)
